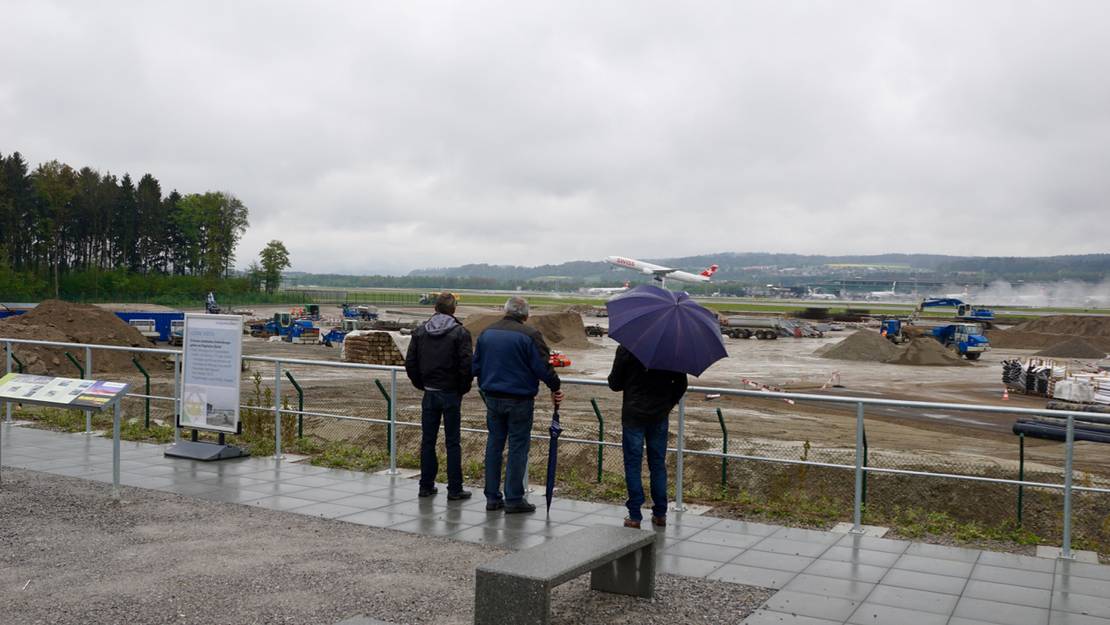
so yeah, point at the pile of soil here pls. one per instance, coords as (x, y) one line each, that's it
(1046, 332)
(928, 352)
(1073, 348)
(563, 330)
(863, 346)
(55, 320)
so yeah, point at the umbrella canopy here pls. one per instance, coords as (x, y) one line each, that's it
(666, 330)
(552, 456)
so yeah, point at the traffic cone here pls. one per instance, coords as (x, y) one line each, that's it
(1005, 394)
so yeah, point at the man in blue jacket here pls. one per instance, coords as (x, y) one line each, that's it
(510, 361)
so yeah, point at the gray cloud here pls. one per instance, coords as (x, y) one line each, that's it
(388, 136)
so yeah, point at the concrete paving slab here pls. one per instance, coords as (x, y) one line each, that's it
(874, 531)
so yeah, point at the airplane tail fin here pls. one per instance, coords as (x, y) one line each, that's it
(708, 273)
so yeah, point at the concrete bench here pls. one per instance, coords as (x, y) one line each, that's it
(516, 589)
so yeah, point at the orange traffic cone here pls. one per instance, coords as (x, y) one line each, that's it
(1005, 394)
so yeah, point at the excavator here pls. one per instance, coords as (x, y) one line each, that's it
(964, 311)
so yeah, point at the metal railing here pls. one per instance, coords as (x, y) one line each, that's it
(859, 467)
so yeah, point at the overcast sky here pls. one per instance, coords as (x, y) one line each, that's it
(387, 136)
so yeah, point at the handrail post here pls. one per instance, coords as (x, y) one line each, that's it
(115, 450)
(1069, 452)
(300, 404)
(8, 358)
(724, 448)
(277, 410)
(600, 438)
(1021, 477)
(865, 457)
(146, 418)
(388, 408)
(88, 375)
(392, 422)
(680, 443)
(176, 399)
(857, 508)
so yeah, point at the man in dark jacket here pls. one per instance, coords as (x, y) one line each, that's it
(510, 361)
(438, 362)
(649, 397)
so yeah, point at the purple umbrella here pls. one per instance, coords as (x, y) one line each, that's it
(666, 330)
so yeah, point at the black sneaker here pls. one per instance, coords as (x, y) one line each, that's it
(428, 492)
(520, 508)
(494, 505)
(462, 494)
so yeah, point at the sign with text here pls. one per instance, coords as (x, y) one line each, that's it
(60, 392)
(213, 347)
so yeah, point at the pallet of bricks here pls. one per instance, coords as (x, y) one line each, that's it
(372, 348)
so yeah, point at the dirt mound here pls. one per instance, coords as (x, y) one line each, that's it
(563, 330)
(927, 352)
(55, 320)
(1073, 348)
(1074, 325)
(863, 345)
(1018, 339)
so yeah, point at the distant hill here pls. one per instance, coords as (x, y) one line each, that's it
(756, 266)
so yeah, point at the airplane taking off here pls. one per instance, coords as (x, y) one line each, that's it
(659, 272)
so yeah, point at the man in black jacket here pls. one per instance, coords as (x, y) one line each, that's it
(649, 397)
(438, 362)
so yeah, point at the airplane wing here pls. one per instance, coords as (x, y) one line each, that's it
(661, 272)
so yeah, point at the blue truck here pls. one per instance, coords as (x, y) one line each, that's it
(966, 339)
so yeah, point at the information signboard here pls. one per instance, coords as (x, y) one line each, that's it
(60, 392)
(213, 347)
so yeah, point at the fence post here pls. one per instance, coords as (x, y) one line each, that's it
(146, 418)
(277, 410)
(857, 508)
(600, 438)
(88, 413)
(388, 408)
(393, 423)
(1069, 451)
(8, 358)
(1021, 476)
(724, 448)
(300, 404)
(18, 364)
(680, 442)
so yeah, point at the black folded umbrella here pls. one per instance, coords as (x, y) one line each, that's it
(552, 456)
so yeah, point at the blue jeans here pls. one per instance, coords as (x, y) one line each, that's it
(633, 439)
(507, 419)
(435, 406)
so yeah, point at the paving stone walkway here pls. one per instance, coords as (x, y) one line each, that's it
(824, 578)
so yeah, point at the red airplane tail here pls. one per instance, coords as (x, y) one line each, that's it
(708, 273)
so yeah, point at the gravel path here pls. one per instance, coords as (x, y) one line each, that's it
(68, 555)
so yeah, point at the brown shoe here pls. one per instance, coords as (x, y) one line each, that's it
(630, 523)
(659, 521)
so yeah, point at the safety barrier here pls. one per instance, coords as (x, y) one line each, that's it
(859, 468)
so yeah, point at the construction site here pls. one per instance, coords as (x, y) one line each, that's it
(1029, 363)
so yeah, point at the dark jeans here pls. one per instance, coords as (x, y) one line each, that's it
(655, 435)
(447, 406)
(509, 419)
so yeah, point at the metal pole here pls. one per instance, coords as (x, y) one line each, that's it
(600, 438)
(176, 398)
(393, 422)
(8, 404)
(87, 374)
(1069, 451)
(724, 448)
(1021, 477)
(857, 508)
(680, 443)
(115, 450)
(277, 410)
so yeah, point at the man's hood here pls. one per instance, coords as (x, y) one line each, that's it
(440, 324)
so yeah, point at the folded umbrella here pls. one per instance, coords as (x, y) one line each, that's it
(552, 456)
(666, 330)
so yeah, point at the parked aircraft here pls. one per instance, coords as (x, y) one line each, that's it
(607, 290)
(884, 294)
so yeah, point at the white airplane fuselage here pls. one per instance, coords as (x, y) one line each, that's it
(659, 271)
